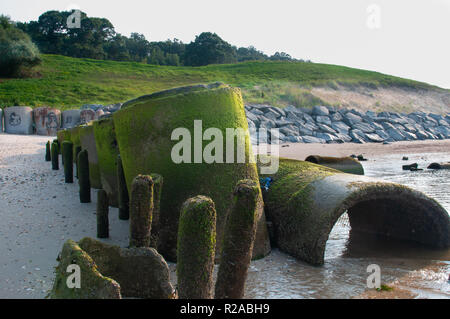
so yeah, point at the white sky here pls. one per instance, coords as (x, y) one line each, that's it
(413, 40)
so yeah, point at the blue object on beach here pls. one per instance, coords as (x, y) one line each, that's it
(265, 183)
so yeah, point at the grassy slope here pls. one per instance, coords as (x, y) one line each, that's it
(68, 82)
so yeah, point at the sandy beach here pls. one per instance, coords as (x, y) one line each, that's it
(39, 212)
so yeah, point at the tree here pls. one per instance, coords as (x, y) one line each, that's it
(209, 48)
(89, 40)
(250, 54)
(116, 48)
(281, 57)
(17, 52)
(138, 47)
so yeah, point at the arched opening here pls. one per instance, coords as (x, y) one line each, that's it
(389, 224)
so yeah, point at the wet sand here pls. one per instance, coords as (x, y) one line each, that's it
(39, 212)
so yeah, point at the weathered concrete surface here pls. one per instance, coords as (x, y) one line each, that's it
(87, 116)
(19, 120)
(306, 200)
(70, 118)
(110, 272)
(1, 120)
(93, 285)
(141, 272)
(343, 164)
(47, 120)
(87, 141)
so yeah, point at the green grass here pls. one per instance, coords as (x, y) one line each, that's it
(66, 82)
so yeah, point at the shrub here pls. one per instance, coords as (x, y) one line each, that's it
(17, 52)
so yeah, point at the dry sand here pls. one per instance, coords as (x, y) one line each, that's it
(39, 212)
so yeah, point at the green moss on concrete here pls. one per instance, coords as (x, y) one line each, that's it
(141, 272)
(75, 138)
(63, 135)
(289, 200)
(87, 141)
(141, 210)
(196, 248)
(93, 284)
(144, 128)
(238, 241)
(107, 152)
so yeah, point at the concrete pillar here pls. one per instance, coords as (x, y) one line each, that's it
(71, 118)
(47, 120)
(19, 120)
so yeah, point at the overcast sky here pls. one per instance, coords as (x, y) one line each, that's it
(407, 38)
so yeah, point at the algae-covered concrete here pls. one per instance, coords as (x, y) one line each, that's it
(110, 272)
(144, 130)
(87, 142)
(305, 201)
(107, 152)
(92, 285)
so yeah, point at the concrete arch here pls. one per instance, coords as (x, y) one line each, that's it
(306, 200)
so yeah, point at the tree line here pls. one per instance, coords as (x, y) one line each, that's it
(97, 39)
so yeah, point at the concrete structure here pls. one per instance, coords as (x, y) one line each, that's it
(305, 201)
(47, 120)
(144, 129)
(19, 120)
(87, 116)
(70, 118)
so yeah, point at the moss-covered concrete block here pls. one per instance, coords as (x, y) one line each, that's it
(141, 272)
(107, 152)
(144, 130)
(93, 285)
(111, 272)
(87, 142)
